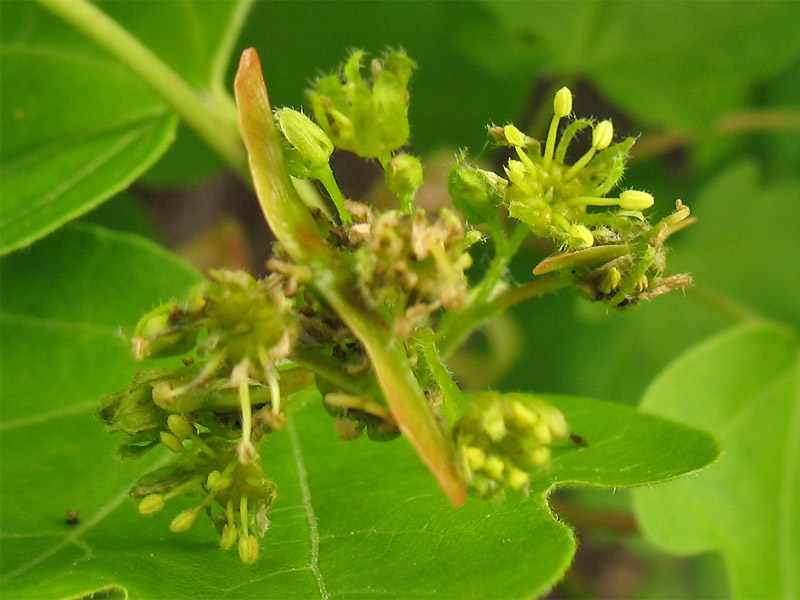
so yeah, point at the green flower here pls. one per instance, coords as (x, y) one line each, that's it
(367, 116)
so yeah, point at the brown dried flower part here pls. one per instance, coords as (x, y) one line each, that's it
(413, 264)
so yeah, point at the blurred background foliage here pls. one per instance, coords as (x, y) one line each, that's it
(713, 91)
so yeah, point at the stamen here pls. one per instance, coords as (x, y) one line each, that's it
(562, 106)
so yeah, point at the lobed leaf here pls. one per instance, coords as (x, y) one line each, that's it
(743, 385)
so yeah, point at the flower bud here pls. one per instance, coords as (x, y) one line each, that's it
(180, 426)
(602, 135)
(476, 193)
(582, 233)
(404, 175)
(514, 136)
(216, 482)
(308, 147)
(160, 333)
(171, 441)
(517, 478)
(635, 200)
(151, 504)
(229, 535)
(540, 456)
(476, 458)
(494, 467)
(562, 103)
(183, 521)
(248, 549)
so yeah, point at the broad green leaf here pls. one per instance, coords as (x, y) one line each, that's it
(745, 242)
(681, 64)
(78, 126)
(744, 385)
(352, 519)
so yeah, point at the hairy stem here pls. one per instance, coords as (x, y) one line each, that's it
(454, 402)
(210, 119)
(450, 338)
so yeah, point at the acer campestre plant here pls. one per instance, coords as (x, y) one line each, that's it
(367, 305)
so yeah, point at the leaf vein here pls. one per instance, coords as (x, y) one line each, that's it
(302, 476)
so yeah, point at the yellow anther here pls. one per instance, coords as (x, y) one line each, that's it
(514, 136)
(542, 432)
(248, 549)
(494, 467)
(522, 417)
(635, 200)
(216, 482)
(540, 456)
(183, 521)
(562, 102)
(476, 458)
(229, 536)
(180, 426)
(602, 134)
(582, 233)
(517, 478)
(171, 441)
(151, 504)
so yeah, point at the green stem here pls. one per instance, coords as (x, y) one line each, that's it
(454, 402)
(329, 369)
(219, 88)
(211, 121)
(505, 250)
(451, 338)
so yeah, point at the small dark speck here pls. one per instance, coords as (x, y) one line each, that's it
(72, 517)
(578, 440)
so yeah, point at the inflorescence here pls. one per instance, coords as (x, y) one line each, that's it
(247, 346)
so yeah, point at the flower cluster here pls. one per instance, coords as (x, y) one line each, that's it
(501, 437)
(614, 253)
(366, 316)
(412, 264)
(211, 411)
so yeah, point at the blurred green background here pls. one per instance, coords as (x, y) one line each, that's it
(713, 91)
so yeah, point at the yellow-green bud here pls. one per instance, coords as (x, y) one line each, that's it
(171, 441)
(522, 417)
(157, 333)
(494, 467)
(183, 521)
(542, 432)
(248, 549)
(582, 233)
(493, 424)
(517, 478)
(476, 458)
(151, 504)
(404, 175)
(216, 482)
(308, 144)
(514, 136)
(180, 426)
(229, 535)
(635, 200)
(476, 193)
(562, 103)
(540, 456)
(602, 135)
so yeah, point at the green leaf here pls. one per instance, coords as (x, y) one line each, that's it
(678, 64)
(744, 385)
(741, 210)
(352, 519)
(77, 125)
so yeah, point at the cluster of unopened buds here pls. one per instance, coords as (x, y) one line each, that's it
(247, 345)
